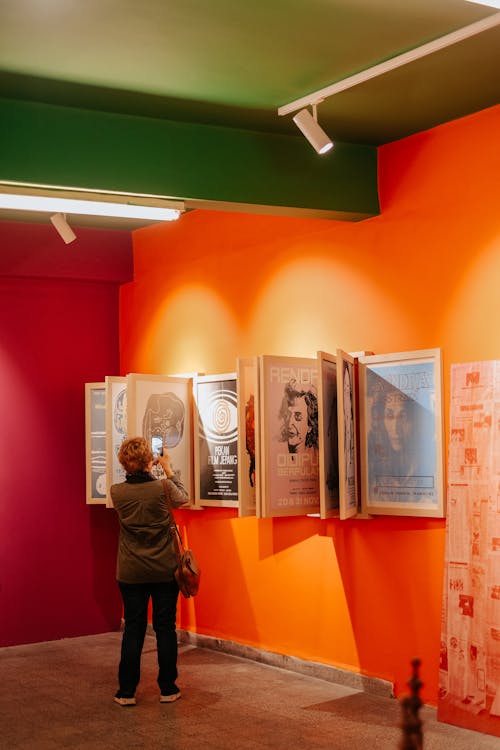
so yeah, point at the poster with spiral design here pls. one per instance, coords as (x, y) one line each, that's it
(216, 453)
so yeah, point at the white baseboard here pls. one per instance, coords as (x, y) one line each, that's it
(372, 685)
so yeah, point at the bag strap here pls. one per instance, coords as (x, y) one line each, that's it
(179, 546)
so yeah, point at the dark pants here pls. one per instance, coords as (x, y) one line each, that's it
(135, 606)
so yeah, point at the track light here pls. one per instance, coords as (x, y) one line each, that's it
(435, 45)
(308, 124)
(64, 229)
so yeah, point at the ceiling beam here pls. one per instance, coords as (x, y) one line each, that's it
(204, 165)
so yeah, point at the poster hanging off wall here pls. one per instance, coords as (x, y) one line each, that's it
(347, 421)
(401, 428)
(248, 460)
(95, 442)
(159, 408)
(216, 441)
(116, 428)
(289, 433)
(469, 661)
(328, 435)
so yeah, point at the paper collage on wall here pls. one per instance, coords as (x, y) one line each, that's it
(469, 663)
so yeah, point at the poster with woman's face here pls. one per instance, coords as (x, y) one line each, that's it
(159, 409)
(402, 432)
(290, 435)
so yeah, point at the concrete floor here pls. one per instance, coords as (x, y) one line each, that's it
(59, 694)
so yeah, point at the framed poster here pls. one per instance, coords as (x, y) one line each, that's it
(401, 430)
(95, 443)
(347, 422)
(328, 435)
(159, 408)
(248, 400)
(290, 437)
(216, 440)
(116, 428)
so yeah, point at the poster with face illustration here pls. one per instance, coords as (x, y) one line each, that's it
(401, 421)
(290, 436)
(216, 440)
(159, 408)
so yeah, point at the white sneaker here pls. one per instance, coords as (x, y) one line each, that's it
(170, 698)
(124, 701)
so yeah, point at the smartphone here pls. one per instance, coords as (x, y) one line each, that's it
(157, 446)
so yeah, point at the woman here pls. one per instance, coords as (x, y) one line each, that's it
(145, 567)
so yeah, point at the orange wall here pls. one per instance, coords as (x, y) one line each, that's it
(364, 595)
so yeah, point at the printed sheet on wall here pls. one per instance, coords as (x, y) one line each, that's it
(469, 664)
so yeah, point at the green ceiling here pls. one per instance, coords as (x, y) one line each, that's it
(232, 64)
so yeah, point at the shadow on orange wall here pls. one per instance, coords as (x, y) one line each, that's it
(364, 595)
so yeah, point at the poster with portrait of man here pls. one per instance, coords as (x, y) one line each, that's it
(289, 435)
(248, 461)
(159, 408)
(401, 433)
(216, 440)
(116, 428)
(329, 437)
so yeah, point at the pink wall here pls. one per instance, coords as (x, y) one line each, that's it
(57, 555)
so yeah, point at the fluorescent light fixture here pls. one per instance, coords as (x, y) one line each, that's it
(308, 125)
(491, 3)
(63, 228)
(88, 203)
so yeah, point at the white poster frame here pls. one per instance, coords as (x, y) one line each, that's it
(247, 374)
(413, 377)
(347, 413)
(279, 496)
(143, 387)
(328, 435)
(226, 416)
(94, 498)
(116, 418)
